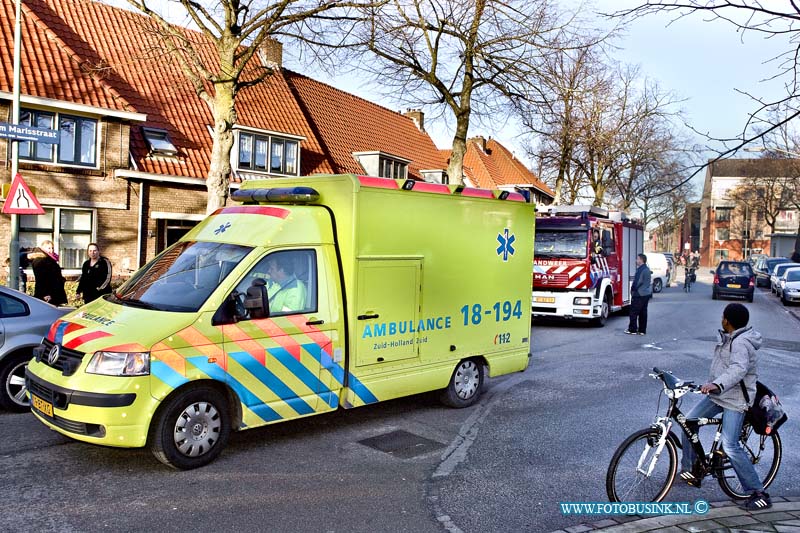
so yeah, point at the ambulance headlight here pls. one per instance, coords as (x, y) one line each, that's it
(120, 364)
(582, 301)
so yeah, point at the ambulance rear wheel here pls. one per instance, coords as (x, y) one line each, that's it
(191, 428)
(465, 384)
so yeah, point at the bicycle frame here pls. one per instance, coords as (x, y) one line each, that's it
(690, 427)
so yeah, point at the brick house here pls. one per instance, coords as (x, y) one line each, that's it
(730, 230)
(130, 170)
(490, 165)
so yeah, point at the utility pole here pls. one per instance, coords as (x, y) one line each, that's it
(13, 270)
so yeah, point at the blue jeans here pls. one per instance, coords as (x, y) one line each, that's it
(731, 445)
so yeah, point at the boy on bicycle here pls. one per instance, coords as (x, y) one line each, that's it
(732, 368)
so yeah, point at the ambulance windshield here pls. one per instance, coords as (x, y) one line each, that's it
(557, 244)
(181, 278)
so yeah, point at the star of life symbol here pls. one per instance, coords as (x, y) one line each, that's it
(506, 241)
(222, 228)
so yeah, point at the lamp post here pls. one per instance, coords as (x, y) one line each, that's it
(13, 267)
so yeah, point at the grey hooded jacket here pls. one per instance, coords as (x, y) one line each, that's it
(735, 359)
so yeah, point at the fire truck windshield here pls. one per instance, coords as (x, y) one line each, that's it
(552, 244)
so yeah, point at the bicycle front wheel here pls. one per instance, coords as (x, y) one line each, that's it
(638, 473)
(764, 451)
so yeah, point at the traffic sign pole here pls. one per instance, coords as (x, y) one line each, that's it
(13, 270)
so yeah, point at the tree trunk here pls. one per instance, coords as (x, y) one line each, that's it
(455, 170)
(219, 171)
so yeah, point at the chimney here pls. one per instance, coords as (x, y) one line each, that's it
(418, 117)
(479, 141)
(271, 53)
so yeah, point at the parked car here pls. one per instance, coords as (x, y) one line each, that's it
(777, 272)
(658, 265)
(753, 259)
(764, 268)
(672, 271)
(733, 278)
(790, 286)
(24, 320)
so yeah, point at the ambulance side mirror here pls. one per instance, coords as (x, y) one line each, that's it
(256, 301)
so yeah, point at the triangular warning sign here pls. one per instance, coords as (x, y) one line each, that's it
(20, 199)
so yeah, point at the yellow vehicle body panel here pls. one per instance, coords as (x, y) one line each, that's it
(409, 283)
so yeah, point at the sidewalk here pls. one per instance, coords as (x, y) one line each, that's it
(783, 517)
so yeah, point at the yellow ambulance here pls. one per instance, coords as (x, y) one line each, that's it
(315, 293)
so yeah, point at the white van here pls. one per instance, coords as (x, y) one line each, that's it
(659, 266)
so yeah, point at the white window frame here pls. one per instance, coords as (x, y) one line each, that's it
(56, 232)
(271, 139)
(153, 135)
(54, 159)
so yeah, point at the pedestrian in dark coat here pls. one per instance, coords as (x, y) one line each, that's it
(47, 272)
(641, 292)
(95, 275)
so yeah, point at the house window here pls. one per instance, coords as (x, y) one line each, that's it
(723, 234)
(253, 150)
(71, 231)
(720, 255)
(390, 168)
(723, 214)
(159, 142)
(77, 145)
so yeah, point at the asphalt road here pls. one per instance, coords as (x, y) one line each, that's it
(535, 439)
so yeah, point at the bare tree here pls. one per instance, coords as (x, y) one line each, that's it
(467, 58)
(767, 19)
(235, 30)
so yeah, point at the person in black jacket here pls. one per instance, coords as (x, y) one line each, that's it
(49, 285)
(95, 275)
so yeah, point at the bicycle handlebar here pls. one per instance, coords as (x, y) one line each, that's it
(672, 382)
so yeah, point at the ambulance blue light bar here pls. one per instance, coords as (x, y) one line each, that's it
(292, 195)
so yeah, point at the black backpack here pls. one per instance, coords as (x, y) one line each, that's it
(766, 414)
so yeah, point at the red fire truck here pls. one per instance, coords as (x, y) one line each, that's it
(584, 262)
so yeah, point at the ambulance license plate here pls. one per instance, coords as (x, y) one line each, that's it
(42, 405)
(734, 286)
(544, 299)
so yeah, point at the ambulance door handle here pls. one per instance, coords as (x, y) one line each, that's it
(367, 317)
(315, 322)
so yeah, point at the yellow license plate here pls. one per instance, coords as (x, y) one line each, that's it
(42, 405)
(734, 286)
(544, 299)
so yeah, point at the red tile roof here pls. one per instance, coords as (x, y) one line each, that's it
(94, 54)
(496, 166)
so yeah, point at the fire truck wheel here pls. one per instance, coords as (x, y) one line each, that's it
(191, 428)
(605, 310)
(465, 384)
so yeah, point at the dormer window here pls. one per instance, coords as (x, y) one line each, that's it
(268, 153)
(159, 143)
(383, 164)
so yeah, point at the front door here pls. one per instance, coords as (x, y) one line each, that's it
(276, 359)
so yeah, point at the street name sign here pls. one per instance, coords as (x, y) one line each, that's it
(20, 199)
(22, 132)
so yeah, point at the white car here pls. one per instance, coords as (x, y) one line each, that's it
(659, 266)
(789, 286)
(777, 272)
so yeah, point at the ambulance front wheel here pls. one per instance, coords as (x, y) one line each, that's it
(191, 428)
(465, 384)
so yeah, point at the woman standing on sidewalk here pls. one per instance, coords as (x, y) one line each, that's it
(95, 275)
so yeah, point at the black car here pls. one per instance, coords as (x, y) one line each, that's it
(763, 269)
(733, 278)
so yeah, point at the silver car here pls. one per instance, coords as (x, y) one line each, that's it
(790, 286)
(24, 320)
(777, 272)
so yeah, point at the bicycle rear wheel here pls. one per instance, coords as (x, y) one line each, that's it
(764, 451)
(630, 478)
